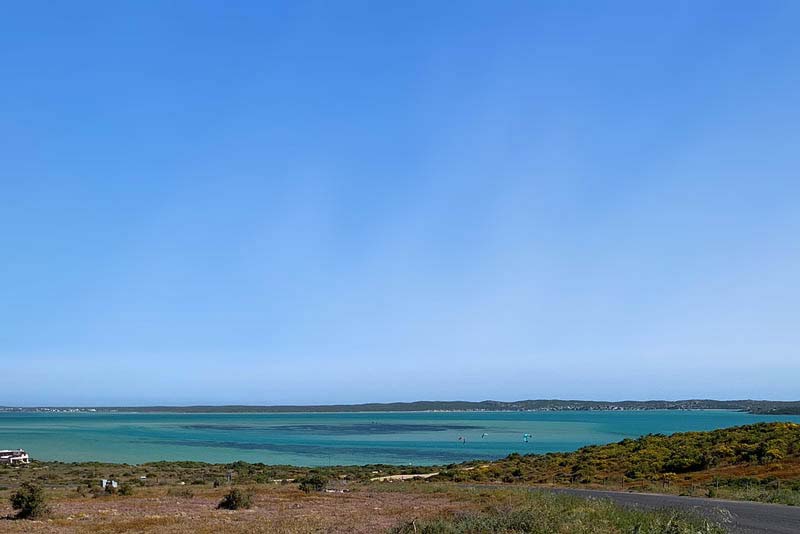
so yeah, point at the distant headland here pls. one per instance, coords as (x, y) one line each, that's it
(761, 407)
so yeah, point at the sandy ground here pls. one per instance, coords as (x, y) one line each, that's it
(404, 477)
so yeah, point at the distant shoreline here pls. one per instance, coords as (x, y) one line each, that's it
(760, 407)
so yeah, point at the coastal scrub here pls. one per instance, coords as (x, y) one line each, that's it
(30, 502)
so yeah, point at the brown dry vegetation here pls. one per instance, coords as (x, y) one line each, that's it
(278, 509)
(401, 507)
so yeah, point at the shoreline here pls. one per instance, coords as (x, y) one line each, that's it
(750, 406)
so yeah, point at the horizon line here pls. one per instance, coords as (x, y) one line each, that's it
(391, 403)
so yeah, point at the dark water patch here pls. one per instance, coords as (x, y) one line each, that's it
(342, 429)
(371, 428)
(398, 454)
(219, 427)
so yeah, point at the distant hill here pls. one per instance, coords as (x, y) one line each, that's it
(781, 408)
(750, 406)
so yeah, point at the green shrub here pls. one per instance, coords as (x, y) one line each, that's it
(236, 499)
(126, 489)
(30, 502)
(312, 483)
(648, 457)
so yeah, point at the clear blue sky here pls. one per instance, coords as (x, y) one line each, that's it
(317, 202)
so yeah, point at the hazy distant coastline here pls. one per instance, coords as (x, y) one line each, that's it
(762, 407)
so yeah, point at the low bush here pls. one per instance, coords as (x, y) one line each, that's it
(30, 502)
(312, 483)
(237, 499)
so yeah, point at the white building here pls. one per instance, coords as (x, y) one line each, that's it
(15, 456)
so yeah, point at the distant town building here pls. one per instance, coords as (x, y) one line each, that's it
(108, 483)
(14, 456)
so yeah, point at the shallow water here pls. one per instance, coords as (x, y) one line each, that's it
(310, 439)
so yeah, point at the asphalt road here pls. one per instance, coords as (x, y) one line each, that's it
(739, 517)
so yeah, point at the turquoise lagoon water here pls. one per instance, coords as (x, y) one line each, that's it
(313, 439)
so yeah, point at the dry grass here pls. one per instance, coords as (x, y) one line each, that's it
(368, 508)
(277, 509)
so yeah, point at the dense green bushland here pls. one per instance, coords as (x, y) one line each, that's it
(754, 462)
(653, 457)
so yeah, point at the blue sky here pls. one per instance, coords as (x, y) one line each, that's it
(316, 202)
